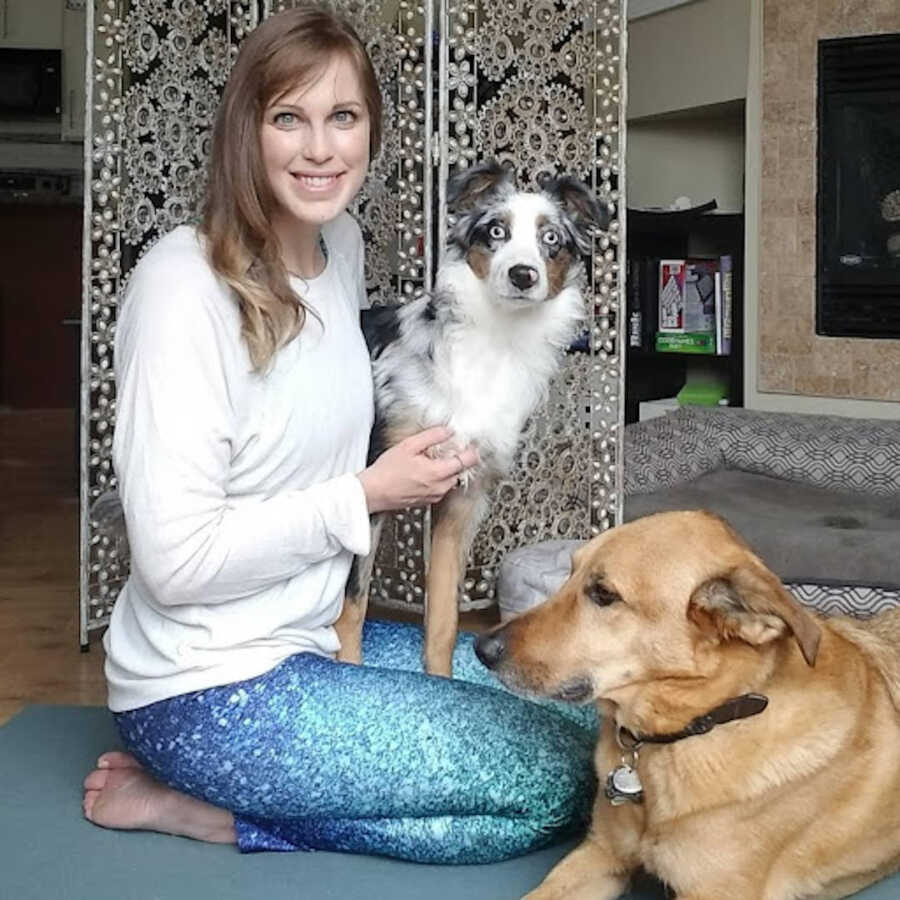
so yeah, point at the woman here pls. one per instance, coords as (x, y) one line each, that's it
(244, 411)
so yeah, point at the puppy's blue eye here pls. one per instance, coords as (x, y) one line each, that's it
(497, 232)
(550, 238)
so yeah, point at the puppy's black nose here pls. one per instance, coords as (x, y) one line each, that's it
(523, 277)
(490, 647)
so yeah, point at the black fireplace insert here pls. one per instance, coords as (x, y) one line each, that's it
(858, 203)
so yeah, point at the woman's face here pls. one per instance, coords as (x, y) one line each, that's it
(315, 147)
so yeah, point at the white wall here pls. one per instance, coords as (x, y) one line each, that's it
(701, 158)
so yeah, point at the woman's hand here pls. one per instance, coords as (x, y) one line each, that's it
(406, 475)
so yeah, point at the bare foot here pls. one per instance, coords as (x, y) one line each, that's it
(120, 794)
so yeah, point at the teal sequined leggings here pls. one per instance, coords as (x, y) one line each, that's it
(379, 759)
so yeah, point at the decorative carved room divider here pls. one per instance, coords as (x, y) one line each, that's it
(534, 82)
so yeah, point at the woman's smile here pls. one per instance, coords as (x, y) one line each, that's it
(317, 183)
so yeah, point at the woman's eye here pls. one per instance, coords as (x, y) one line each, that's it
(285, 119)
(551, 238)
(497, 232)
(345, 117)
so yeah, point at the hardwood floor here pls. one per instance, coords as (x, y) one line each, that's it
(40, 658)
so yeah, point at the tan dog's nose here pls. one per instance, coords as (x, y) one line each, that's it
(490, 647)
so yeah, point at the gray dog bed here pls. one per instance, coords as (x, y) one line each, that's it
(818, 497)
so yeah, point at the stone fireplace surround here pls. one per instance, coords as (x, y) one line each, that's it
(793, 359)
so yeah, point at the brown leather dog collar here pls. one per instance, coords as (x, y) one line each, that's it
(742, 707)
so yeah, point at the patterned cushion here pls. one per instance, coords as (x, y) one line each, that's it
(833, 452)
(669, 450)
(837, 452)
(840, 600)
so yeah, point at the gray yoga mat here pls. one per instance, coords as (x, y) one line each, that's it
(48, 851)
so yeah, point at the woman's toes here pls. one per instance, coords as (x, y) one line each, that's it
(116, 759)
(120, 797)
(87, 802)
(96, 780)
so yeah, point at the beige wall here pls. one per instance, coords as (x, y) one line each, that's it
(701, 158)
(687, 57)
(810, 372)
(686, 83)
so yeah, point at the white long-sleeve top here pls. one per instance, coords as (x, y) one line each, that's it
(240, 492)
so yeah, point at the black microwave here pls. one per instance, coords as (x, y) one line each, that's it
(30, 83)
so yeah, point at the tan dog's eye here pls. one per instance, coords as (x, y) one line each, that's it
(599, 593)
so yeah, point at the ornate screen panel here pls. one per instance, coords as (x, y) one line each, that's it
(534, 82)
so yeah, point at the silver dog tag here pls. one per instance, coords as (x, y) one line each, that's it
(623, 784)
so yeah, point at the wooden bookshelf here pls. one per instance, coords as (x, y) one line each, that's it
(701, 232)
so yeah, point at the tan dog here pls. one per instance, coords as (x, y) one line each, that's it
(790, 792)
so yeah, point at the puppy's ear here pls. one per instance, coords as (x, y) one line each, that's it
(750, 603)
(584, 211)
(478, 185)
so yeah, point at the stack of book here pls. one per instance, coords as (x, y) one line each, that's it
(680, 305)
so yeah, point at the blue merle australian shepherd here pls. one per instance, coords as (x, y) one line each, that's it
(476, 355)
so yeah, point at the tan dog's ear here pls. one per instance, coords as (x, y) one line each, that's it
(750, 603)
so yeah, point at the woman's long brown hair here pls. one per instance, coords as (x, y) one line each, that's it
(288, 49)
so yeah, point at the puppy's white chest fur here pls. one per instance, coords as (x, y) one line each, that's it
(479, 367)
